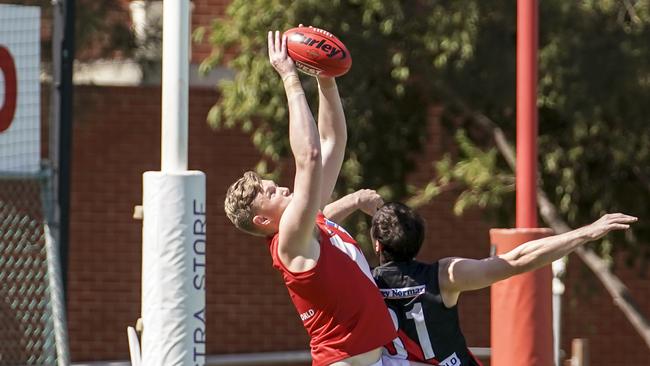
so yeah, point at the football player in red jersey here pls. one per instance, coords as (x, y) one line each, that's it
(422, 297)
(323, 268)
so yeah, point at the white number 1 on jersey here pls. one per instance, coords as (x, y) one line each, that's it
(417, 314)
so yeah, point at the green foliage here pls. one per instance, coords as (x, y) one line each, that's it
(593, 120)
(385, 109)
(488, 183)
(594, 84)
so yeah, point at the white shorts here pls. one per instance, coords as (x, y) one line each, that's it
(388, 360)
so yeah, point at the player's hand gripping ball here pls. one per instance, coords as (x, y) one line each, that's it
(317, 52)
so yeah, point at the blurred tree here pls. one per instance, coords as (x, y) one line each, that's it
(594, 74)
(594, 70)
(385, 107)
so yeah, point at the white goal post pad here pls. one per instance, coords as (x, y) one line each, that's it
(173, 268)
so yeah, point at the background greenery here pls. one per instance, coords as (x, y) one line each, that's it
(594, 88)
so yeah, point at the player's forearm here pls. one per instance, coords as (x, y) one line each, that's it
(540, 252)
(333, 134)
(303, 135)
(340, 209)
(331, 118)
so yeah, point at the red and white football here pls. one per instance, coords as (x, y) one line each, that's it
(317, 52)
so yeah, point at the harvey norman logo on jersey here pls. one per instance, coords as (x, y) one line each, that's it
(402, 293)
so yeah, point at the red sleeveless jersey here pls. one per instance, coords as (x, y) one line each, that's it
(337, 300)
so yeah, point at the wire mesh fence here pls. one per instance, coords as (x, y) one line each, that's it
(26, 322)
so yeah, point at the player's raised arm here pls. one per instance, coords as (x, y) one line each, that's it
(461, 274)
(297, 222)
(321, 54)
(366, 200)
(333, 134)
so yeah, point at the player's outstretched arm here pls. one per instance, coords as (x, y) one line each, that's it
(333, 134)
(297, 222)
(366, 200)
(461, 274)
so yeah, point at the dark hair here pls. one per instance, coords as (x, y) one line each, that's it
(399, 230)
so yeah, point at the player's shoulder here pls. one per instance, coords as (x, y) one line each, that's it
(384, 272)
(407, 277)
(412, 268)
(444, 263)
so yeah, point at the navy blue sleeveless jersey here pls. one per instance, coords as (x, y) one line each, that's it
(428, 331)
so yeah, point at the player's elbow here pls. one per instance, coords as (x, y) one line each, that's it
(517, 263)
(523, 264)
(340, 138)
(310, 157)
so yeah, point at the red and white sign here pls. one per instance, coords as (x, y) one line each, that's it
(20, 107)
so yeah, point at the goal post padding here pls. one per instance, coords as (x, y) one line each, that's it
(173, 268)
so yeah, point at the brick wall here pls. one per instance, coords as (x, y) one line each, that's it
(589, 312)
(205, 11)
(116, 139)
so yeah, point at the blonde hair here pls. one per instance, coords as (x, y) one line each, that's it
(239, 202)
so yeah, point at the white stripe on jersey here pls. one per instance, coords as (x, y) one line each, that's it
(355, 254)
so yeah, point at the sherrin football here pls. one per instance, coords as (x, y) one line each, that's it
(317, 52)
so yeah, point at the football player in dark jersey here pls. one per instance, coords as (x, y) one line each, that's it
(422, 297)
